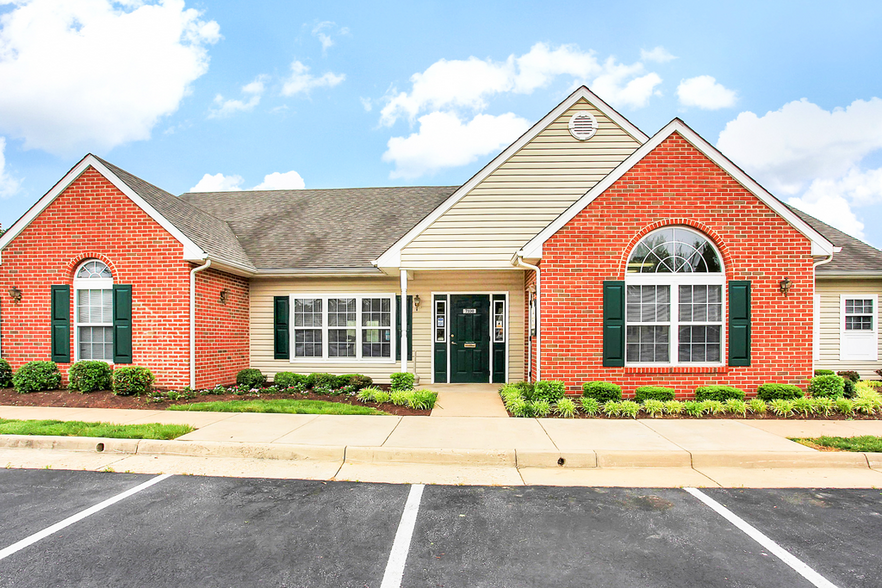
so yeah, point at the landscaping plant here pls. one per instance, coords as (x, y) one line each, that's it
(402, 381)
(804, 406)
(89, 376)
(5, 374)
(251, 377)
(602, 391)
(566, 408)
(288, 380)
(693, 408)
(654, 408)
(713, 406)
(129, 380)
(735, 406)
(757, 406)
(822, 405)
(644, 393)
(849, 375)
(829, 386)
(36, 376)
(629, 408)
(540, 407)
(321, 380)
(590, 406)
(718, 393)
(421, 399)
(782, 408)
(825, 373)
(844, 406)
(367, 394)
(767, 392)
(399, 397)
(550, 390)
(612, 408)
(673, 407)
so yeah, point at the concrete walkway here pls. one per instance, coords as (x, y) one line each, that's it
(466, 450)
(468, 400)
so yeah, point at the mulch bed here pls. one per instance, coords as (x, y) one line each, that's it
(106, 399)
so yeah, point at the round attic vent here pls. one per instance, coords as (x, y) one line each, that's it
(583, 125)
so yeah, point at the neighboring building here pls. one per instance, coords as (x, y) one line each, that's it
(584, 251)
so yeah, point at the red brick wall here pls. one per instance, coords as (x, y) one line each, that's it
(676, 185)
(221, 328)
(92, 219)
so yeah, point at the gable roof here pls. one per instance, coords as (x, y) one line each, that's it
(855, 258)
(392, 256)
(314, 230)
(820, 245)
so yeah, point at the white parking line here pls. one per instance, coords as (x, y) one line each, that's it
(401, 545)
(782, 554)
(19, 545)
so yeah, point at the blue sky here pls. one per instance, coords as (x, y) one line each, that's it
(215, 95)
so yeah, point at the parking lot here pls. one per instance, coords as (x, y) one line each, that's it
(204, 531)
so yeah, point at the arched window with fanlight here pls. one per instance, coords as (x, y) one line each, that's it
(674, 300)
(93, 311)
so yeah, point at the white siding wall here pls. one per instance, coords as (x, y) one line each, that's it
(830, 291)
(424, 283)
(521, 197)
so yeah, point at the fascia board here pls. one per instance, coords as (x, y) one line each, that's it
(392, 256)
(820, 245)
(192, 252)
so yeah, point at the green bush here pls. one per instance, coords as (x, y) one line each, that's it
(526, 389)
(289, 380)
(540, 407)
(5, 374)
(367, 394)
(402, 381)
(769, 392)
(612, 408)
(251, 377)
(653, 407)
(400, 397)
(550, 390)
(781, 407)
(849, 375)
(36, 376)
(321, 380)
(131, 380)
(757, 406)
(421, 399)
(736, 406)
(713, 406)
(693, 408)
(602, 392)
(716, 392)
(590, 406)
(381, 396)
(827, 387)
(824, 373)
(357, 381)
(566, 408)
(89, 376)
(644, 393)
(673, 407)
(629, 408)
(849, 388)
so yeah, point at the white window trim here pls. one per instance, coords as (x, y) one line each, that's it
(88, 284)
(325, 358)
(674, 281)
(859, 335)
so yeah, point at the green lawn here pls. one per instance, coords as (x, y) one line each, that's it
(863, 443)
(283, 405)
(81, 429)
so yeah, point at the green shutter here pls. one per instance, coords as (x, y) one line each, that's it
(613, 324)
(281, 331)
(739, 323)
(398, 328)
(60, 324)
(122, 323)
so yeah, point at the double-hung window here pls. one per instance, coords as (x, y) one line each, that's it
(674, 300)
(343, 326)
(93, 295)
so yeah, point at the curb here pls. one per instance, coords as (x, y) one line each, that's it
(779, 459)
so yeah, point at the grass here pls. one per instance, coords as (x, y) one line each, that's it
(279, 405)
(81, 429)
(864, 443)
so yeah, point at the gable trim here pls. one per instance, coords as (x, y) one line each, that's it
(820, 245)
(391, 258)
(192, 252)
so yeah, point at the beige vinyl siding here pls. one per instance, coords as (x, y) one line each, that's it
(424, 283)
(521, 197)
(830, 291)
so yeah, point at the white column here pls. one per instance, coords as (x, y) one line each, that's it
(403, 311)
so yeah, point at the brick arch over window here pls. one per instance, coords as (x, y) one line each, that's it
(75, 262)
(708, 232)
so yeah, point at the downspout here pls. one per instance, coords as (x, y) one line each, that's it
(403, 311)
(814, 285)
(193, 271)
(519, 261)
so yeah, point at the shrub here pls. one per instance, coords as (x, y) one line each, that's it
(357, 381)
(824, 373)
(321, 380)
(288, 380)
(757, 406)
(540, 407)
(566, 408)
(849, 389)
(613, 408)
(644, 393)
(865, 405)
(399, 397)
(251, 377)
(590, 406)
(804, 406)
(653, 407)
(822, 405)
(381, 396)
(719, 393)
(673, 407)
(89, 376)
(422, 399)
(781, 407)
(5, 374)
(602, 391)
(550, 390)
(693, 408)
(402, 381)
(36, 376)
(845, 406)
(828, 386)
(848, 375)
(879, 372)
(367, 394)
(629, 408)
(713, 406)
(768, 392)
(736, 406)
(525, 388)
(130, 380)
(521, 408)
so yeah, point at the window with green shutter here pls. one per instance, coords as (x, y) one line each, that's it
(60, 324)
(122, 323)
(739, 323)
(613, 324)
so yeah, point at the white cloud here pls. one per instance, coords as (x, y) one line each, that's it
(301, 81)
(367, 104)
(8, 184)
(91, 74)
(468, 84)
(833, 210)
(706, 93)
(323, 30)
(281, 181)
(789, 148)
(658, 55)
(218, 183)
(444, 141)
(224, 108)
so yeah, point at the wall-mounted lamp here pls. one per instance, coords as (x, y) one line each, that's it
(223, 296)
(785, 286)
(416, 303)
(15, 294)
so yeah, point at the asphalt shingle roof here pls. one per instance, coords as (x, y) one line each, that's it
(856, 256)
(311, 229)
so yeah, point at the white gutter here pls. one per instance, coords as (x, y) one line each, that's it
(193, 271)
(519, 261)
(403, 311)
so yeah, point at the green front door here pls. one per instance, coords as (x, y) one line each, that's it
(469, 338)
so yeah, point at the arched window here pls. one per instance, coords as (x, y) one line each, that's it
(674, 307)
(93, 291)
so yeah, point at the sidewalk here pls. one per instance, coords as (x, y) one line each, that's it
(461, 450)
